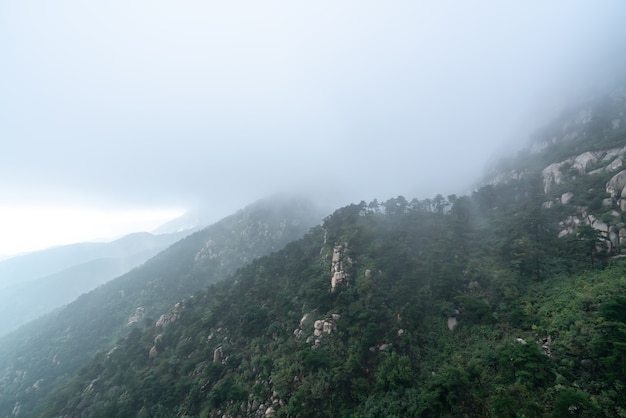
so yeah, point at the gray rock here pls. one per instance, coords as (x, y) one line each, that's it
(452, 322)
(566, 197)
(617, 183)
(217, 354)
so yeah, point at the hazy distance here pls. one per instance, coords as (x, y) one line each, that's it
(155, 107)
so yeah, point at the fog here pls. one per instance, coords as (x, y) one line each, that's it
(160, 104)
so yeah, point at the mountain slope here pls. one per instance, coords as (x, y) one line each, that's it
(40, 356)
(404, 314)
(25, 301)
(193, 219)
(461, 306)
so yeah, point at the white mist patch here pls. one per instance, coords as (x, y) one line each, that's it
(30, 228)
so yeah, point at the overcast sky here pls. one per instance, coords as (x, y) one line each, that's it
(121, 108)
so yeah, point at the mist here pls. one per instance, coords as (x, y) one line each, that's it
(161, 104)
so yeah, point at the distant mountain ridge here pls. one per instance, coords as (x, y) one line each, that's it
(38, 264)
(192, 220)
(43, 354)
(34, 284)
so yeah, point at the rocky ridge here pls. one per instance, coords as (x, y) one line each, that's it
(588, 186)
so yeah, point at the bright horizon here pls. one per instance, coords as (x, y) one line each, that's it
(32, 228)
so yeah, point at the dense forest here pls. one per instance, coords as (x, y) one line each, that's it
(438, 313)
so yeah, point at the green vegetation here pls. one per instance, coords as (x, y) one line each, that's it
(44, 354)
(531, 340)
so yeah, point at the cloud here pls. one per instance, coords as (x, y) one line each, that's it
(174, 103)
(30, 227)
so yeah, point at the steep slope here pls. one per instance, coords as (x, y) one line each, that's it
(460, 306)
(415, 313)
(580, 161)
(40, 356)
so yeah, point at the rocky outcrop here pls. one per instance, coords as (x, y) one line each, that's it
(16, 409)
(338, 275)
(166, 319)
(569, 225)
(321, 327)
(585, 160)
(261, 409)
(136, 317)
(208, 252)
(615, 164)
(218, 354)
(545, 344)
(566, 198)
(559, 172)
(551, 175)
(610, 234)
(555, 172)
(452, 323)
(615, 186)
(153, 352)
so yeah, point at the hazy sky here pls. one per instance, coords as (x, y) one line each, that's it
(118, 108)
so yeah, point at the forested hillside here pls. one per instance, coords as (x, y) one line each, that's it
(45, 353)
(432, 314)
(508, 302)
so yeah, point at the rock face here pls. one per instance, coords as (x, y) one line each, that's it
(566, 198)
(583, 161)
(321, 327)
(218, 353)
(609, 160)
(208, 251)
(338, 274)
(545, 344)
(136, 317)
(617, 163)
(452, 323)
(622, 237)
(610, 233)
(615, 186)
(551, 175)
(153, 352)
(166, 319)
(555, 172)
